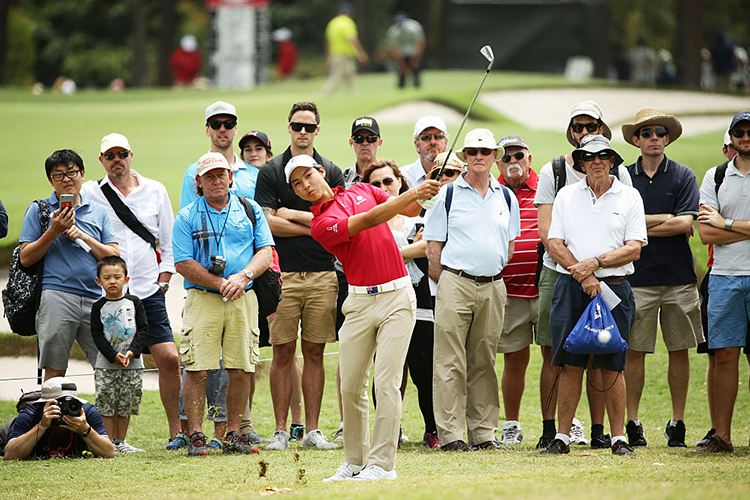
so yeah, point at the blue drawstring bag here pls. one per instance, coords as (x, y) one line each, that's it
(584, 338)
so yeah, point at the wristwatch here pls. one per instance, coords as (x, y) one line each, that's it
(86, 433)
(248, 273)
(164, 286)
(728, 224)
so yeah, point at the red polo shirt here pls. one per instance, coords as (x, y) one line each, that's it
(519, 272)
(370, 257)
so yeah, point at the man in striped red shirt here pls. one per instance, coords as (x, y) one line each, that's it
(522, 309)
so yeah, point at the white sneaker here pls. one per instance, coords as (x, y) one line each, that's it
(316, 439)
(124, 447)
(374, 473)
(279, 441)
(338, 436)
(577, 435)
(402, 438)
(511, 433)
(346, 471)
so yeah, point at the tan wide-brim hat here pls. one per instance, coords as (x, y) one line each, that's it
(652, 116)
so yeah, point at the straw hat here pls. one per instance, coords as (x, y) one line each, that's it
(652, 116)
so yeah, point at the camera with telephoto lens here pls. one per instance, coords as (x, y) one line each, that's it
(68, 406)
(218, 263)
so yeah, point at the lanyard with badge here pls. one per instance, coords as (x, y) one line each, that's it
(218, 262)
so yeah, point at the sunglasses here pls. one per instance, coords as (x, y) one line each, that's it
(451, 172)
(429, 137)
(659, 131)
(603, 155)
(359, 139)
(518, 155)
(738, 133)
(590, 127)
(120, 154)
(228, 124)
(387, 181)
(474, 151)
(309, 127)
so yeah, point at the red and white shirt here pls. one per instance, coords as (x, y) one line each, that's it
(370, 257)
(519, 272)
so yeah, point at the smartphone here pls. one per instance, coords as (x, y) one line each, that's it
(66, 200)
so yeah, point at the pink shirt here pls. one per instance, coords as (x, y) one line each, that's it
(370, 257)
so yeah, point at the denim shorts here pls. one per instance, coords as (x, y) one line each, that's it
(728, 310)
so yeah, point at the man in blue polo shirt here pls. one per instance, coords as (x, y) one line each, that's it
(218, 250)
(75, 240)
(664, 282)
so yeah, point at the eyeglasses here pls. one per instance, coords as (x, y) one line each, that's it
(659, 131)
(590, 127)
(228, 124)
(70, 174)
(387, 181)
(603, 155)
(309, 127)
(738, 133)
(429, 137)
(110, 155)
(474, 151)
(359, 139)
(518, 155)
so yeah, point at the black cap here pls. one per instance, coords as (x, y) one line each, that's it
(366, 123)
(257, 134)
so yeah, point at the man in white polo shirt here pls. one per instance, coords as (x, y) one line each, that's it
(597, 230)
(469, 235)
(430, 139)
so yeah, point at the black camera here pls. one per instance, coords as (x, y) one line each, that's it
(218, 263)
(68, 406)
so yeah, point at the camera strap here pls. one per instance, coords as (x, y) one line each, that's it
(213, 230)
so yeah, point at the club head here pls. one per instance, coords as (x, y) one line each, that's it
(486, 51)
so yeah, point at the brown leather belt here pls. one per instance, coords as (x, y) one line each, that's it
(614, 280)
(478, 279)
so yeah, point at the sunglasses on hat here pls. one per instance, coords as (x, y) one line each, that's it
(518, 155)
(309, 127)
(228, 124)
(659, 131)
(590, 127)
(110, 155)
(359, 139)
(603, 155)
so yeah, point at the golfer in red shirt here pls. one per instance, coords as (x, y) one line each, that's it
(380, 309)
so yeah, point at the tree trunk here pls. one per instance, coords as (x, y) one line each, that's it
(140, 57)
(4, 8)
(166, 42)
(689, 42)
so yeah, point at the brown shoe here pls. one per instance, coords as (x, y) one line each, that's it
(556, 447)
(717, 445)
(457, 445)
(622, 448)
(487, 445)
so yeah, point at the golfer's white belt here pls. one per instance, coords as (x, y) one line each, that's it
(402, 282)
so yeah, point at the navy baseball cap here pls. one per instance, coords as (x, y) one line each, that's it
(256, 134)
(742, 116)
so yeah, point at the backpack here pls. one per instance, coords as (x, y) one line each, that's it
(26, 399)
(24, 289)
(267, 286)
(560, 174)
(721, 172)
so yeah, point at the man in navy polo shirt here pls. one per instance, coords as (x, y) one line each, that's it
(380, 308)
(664, 282)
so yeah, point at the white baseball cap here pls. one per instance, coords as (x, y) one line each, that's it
(306, 161)
(429, 121)
(212, 161)
(220, 108)
(479, 138)
(114, 141)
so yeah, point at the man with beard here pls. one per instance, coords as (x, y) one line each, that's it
(430, 139)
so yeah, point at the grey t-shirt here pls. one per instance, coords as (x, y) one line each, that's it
(545, 191)
(732, 259)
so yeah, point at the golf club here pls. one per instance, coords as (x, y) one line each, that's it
(486, 51)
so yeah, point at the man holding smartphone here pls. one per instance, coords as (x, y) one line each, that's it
(69, 286)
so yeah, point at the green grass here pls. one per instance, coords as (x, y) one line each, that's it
(656, 472)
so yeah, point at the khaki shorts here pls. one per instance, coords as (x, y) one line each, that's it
(309, 298)
(547, 280)
(213, 329)
(521, 316)
(675, 308)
